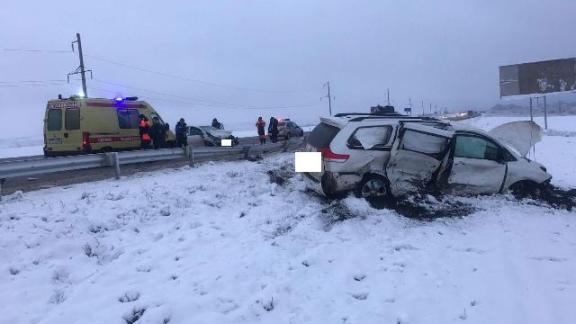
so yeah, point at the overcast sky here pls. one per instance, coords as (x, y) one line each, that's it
(220, 58)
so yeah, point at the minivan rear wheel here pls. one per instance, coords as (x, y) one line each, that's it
(373, 186)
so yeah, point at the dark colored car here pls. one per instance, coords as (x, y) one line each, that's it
(288, 128)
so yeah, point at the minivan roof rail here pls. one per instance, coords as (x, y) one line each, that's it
(367, 114)
(393, 117)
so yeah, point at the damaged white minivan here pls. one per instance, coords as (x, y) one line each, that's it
(394, 155)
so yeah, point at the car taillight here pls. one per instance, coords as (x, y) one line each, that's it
(328, 155)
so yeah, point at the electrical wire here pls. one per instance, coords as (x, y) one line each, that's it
(174, 76)
(176, 99)
(32, 81)
(32, 50)
(163, 93)
(205, 102)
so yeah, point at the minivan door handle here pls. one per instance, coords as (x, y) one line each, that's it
(66, 135)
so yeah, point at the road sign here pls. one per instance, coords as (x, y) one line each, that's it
(538, 77)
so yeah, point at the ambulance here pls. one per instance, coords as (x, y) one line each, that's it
(78, 125)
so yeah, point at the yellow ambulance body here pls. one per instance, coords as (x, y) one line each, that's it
(91, 125)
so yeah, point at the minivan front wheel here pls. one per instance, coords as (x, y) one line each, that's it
(373, 186)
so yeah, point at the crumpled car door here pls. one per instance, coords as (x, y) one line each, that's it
(416, 157)
(477, 166)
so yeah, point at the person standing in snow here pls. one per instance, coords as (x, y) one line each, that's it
(158, 133)
(273, 129)
(260, 125)
(217, 124)
(144, 128)
(181, 129)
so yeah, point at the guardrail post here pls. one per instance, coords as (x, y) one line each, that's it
(246, 152)
(190, 155)
(1, 184)
(116, 161)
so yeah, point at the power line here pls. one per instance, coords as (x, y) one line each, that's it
(163, 93)
(33, 81)
(8, 86)
(33, 50)
(174, 76)
(174, 98)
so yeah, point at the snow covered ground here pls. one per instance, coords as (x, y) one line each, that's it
(220, 243)
(20, 146)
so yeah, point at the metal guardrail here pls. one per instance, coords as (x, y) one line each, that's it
(35, 167)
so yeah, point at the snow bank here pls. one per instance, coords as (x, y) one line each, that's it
(222, 244)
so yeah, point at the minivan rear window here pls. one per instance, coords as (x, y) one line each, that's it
(322, 135)
(54, 122)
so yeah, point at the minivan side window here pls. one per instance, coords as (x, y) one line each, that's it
(72, 119)
(128, 118)
(474, 147)
(370, 138)
(54, 122)
(423, 142)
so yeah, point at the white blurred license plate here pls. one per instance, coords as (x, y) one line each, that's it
(55, 140)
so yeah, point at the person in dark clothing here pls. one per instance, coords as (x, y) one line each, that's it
(158, 133)
(260, 124)
(217, 124)
(144, 128)
(273, 129)
(181, 130)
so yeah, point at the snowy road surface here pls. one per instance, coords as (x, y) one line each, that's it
(221, 244)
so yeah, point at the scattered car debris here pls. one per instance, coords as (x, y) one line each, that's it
(281, 175)
(545, 194)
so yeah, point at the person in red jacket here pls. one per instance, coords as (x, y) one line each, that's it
(261, 125)
(144, 127)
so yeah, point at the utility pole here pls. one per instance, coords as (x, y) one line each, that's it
(531, 115)
(423, 108)
(545, 114)
(329, 96)
(388, 96)
(80, 70)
